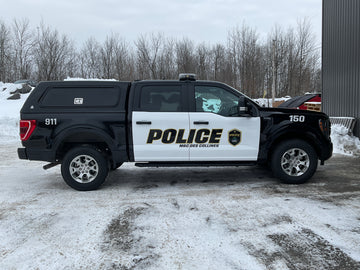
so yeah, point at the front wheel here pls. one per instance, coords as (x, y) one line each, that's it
(84, 168)
(294, 161)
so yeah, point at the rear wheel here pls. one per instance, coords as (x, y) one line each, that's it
(294, 161)
(84, 168)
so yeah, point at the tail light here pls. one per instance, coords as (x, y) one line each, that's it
(26, 128)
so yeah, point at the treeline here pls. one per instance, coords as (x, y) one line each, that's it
(243, 61)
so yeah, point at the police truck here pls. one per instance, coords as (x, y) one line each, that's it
(93, 127)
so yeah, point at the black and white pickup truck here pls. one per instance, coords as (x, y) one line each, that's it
(92, 127)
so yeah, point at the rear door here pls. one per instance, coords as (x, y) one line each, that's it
(220, 133)
(160, 121)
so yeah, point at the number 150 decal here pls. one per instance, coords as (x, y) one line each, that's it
(297, 118)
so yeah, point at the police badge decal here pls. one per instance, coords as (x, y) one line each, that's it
(234, 137)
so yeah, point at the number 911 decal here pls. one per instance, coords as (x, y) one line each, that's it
(297, 118)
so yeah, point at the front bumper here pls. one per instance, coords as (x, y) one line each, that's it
(326, 152)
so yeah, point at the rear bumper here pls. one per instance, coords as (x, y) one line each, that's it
(35, 154)
(22, 153)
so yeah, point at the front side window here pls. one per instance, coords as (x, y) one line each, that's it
(216, 100)
(161, 98)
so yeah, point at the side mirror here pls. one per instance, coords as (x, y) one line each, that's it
(242, 106)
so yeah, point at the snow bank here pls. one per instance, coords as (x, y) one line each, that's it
(265, 102)
(7, 88)
(343, 142)
(10, 112)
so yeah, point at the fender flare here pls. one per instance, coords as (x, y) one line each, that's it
(96, 132)
(287, 133)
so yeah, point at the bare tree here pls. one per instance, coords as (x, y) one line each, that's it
(218, 63)
(148, 53)
(305, 50)
(203, 59)
(166, 61)
(4, 51)
(108, 57)
(232, 59)
(276, 56)
(71, 64)
(185, 59)
(90, 59)
(289, 58)
(247, 57)
(292, 61)
(123, 64)
(51, 54)
(23, 43)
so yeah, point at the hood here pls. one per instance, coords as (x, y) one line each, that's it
(290, 111)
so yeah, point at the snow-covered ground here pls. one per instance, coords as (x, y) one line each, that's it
(203, 218)
(177, 218)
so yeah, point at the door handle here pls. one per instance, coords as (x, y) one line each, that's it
(143, 122)
(201, 122)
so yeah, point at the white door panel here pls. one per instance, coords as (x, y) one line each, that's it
(244, 147)
(153, 143)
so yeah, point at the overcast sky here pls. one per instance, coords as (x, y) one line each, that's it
(201, 21)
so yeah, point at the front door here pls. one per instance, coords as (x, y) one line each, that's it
(160, 123)
(220, 134)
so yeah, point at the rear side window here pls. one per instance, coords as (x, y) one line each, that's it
(161, 98)
(81, 97)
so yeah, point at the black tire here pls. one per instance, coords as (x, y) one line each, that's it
(84, 168)
(294, 161)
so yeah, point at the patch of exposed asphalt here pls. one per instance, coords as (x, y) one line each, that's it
(122, 248)
(146, 186)
(265, 257)
(327, 191)
(306, 250)
(118, 232)
(279, 220)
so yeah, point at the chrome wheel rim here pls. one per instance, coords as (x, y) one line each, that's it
(295, 162)
(84, 169)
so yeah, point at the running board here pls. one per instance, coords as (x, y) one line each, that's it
(50, 165)
(196, 164)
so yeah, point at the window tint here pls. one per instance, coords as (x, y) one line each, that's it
(161, 98)
(81, 97)
(216, 100)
